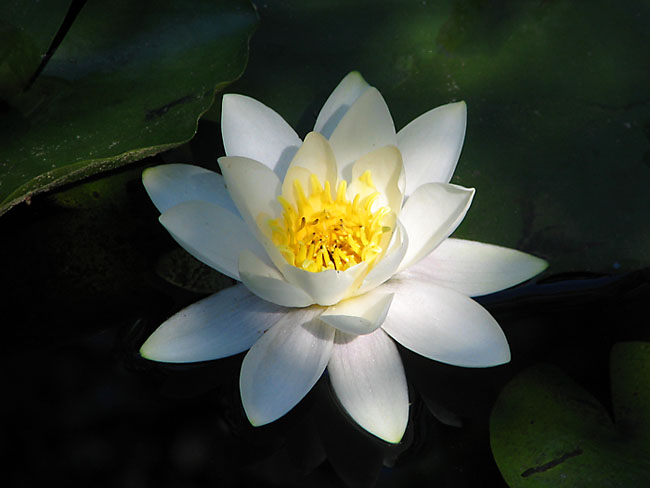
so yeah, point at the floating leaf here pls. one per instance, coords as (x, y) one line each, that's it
(128, 80)
(547, 431)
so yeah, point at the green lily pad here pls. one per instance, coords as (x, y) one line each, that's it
(547, 431)
(129, 79)
(558, 139)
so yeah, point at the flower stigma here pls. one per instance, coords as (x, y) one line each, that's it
(324, 232)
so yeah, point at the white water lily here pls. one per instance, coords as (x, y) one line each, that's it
(341, 245)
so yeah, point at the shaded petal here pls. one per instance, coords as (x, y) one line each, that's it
(253, 130)
(475, 268)
(367, 375)
(389, 263)
(284, 364)
(359, 315)
(211, 234)
(344, 95)
(253, 187)
(171, 184)
(329, 286)
(314, 157)
(366, 126)
(430, 215)
(387, 174)
(431, 145)
(220, 325)
(445, 325)
(262, 278)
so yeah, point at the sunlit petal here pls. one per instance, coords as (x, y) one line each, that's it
(253, 130)
(262, 278)
(367, 375)
(218, 326)
(344, 95)
(475, 268)
(329, 286)
(445, 325)
(431, 145)
(430, 215)
(211, 234)
(171, 184)
(359, 315)
(284, 364)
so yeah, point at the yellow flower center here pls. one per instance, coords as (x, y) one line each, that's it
(322, 232)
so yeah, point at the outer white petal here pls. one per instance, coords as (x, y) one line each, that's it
(389, 263)
(431, 145)
(359, 315)
(338, 103)
(253, 130)
(368, 377)
(445, 325)
(430, 215)
(211, 234)
(366, 126)
(475, 268)
(262, 278)
(284, 364)
(171, 184)
(329, 286)
(253, 187)
(220, 325)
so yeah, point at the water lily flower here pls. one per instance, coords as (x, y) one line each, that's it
(341, 244)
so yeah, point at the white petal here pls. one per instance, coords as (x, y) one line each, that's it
(445, 325)
(262, 278)
(431, 145)
(368, 377)
(329, 286)
(253, 130)
(475, 268)
(284, 364)
(366, 126)
(314, 157)
(386, 173)
(171, 184)
(253, 187)
(389, 263)
(359, 315)
(211, 234)
(430, 215)
(220, 325)
(338, 103)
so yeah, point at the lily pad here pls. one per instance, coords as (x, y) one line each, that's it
(129, 79)
(547, 431)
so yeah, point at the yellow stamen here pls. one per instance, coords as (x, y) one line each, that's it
(321, 232)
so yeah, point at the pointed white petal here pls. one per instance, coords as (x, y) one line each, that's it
(366, 126)
(431, 145)
(220, 325)
(284, 364)
(262, 278)
(329, 286)
(314, 157)
(338, 103)
(475, 268)
(253, 130)
(253, 187)
(359, 315)
(368, 377)
(430, 215)
(211, 234)
(445, 325)
(386, 173)
(171, 184)
(388, 264)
